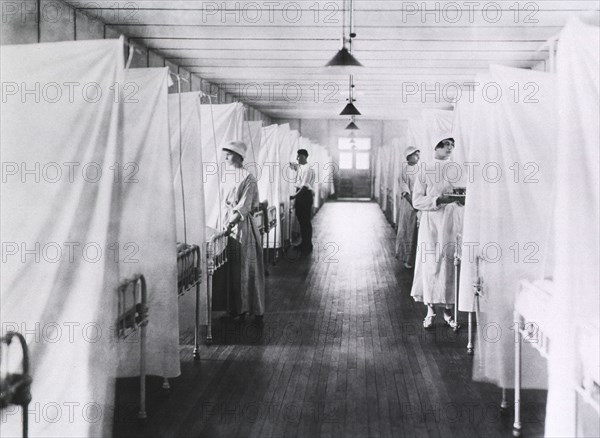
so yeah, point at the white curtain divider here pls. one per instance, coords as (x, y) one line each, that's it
(60, 201)
(269, 181)
(191, 172)
(147, 222)
(252, 132)
(576, 297)
(509, 200)
(289, 156)
(283, 146)
(223, 123)
(377, 174)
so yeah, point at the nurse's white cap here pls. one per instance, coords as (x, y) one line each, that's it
(239, 147)
(409, 151)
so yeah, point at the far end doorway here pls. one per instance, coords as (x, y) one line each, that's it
(355, 167)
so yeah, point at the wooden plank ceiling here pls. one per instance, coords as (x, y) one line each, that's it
(271, 54)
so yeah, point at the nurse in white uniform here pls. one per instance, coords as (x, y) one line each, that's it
(441, 222)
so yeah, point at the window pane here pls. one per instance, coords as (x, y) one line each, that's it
(344, 144)
(362, 160)
(345, 160)
(363, 144)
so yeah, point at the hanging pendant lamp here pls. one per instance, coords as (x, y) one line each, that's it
(352, 126)
(350, 109)
(344, 57)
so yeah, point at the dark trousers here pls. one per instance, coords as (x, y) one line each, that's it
(303, 207)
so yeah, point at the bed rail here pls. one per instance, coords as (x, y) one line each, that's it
(15, 388)
(189, 275)
(282, 222)
(272, 225)
(457, 262)
(216, 257)
(132, 317)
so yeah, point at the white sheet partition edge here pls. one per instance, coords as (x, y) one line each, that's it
(576, 278)
(251, 135)
(59, 201)
(268, 154)
(506, 215)
(147, 222)
(189, 170)
(219, 124)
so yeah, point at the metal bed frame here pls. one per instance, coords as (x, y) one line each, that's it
(291, 215)
(259, 220)
(457, 262)
(531, 324)
(264, 233)
(15, 388)
(132, 316)
(271, 225)
(189, 275)
(214, 261)
(282, 221)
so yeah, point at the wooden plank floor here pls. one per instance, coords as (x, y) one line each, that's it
(341, 353)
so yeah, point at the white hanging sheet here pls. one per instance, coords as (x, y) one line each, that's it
(62, 295)
(269, 181)
(378, 174)
(147, 222)
(398, 158)
(268, 153)
(317, 165)
(575, 301)
(252, 132)
(191, 172)
(509, 200)
(385, 153)
(283, 147)
(223, 123)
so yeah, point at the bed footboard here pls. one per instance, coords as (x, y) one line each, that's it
(189, 276)
(216, 257)
(132, 318)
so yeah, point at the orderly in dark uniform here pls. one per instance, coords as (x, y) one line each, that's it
(303, 199)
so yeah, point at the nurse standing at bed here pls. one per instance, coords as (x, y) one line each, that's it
(247, 280)
(441, 221)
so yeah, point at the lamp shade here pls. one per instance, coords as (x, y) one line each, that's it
(352, 126)
(343, 58)
(350, 110)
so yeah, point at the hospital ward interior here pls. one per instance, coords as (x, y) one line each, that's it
(310, 218)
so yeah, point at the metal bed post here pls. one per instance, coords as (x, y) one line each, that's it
(291, 221)
(504, 402)
(470, 335)
(133, 319)
(197, 280)
(213, 262)
(210, 270)
(517, 427)
(457, 261)
(16, 388)
(144, 323)
(266, 255)
(477, 286)
(273, 225)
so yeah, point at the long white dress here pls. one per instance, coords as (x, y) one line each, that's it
(407, 216)
(247, 277)
(439, 226)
